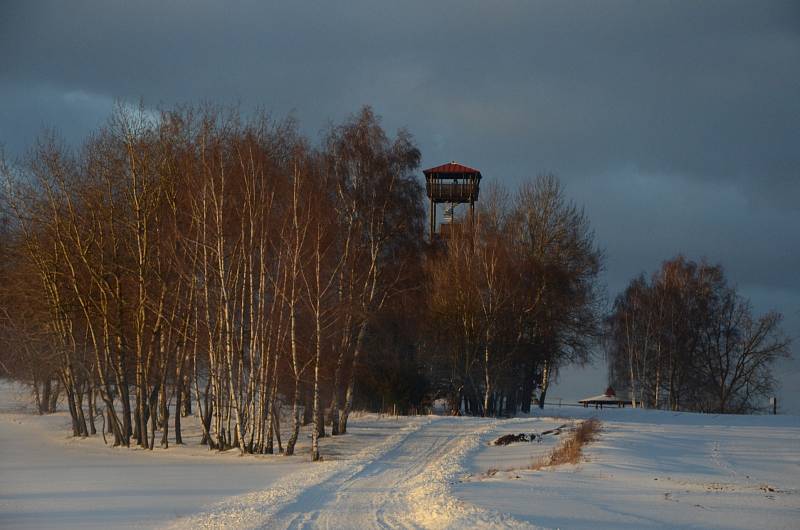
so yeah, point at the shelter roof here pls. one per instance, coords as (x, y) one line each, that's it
(602, 398)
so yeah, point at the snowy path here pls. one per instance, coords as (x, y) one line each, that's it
(403, 483)
(406, 487)
(375, 495)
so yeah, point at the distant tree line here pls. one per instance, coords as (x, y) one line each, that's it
(196, 262)
(686, 340)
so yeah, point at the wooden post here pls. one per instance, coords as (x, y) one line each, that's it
(472, 211)
(433, 219)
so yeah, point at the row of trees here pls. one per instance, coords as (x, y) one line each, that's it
(686, 340)
(197, 259)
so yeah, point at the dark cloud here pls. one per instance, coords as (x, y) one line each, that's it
(677, 124)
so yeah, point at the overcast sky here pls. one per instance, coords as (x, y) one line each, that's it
(676, 124)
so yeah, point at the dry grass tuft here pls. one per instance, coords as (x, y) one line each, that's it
(569, 451)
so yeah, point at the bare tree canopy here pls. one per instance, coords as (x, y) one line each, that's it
(197, 259)
(514, 298)
(686, 340)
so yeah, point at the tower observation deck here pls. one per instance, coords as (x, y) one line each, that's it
(451, 184)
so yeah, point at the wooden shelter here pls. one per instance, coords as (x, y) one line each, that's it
(608, 398)
(451, 184)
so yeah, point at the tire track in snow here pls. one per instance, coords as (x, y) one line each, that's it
(404, 482)
(372, 496)
(256, 509)
(432, 498)
(409, 486)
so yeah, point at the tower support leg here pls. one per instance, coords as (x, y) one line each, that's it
(433, 220)
(472, 212)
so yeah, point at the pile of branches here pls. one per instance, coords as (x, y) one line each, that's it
(507, 439)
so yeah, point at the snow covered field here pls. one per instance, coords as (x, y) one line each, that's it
(648, 469)
(652, 469)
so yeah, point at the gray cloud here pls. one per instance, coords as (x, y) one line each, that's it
(677, 124)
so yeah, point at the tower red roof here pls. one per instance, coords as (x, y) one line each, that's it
(452, 168)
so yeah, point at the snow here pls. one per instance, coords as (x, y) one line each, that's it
(50, 480)
(301, 497)
(652, 469)
(489, 459)
(401, 482)
(648, 469)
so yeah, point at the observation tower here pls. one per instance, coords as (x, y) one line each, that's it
(451, 184)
